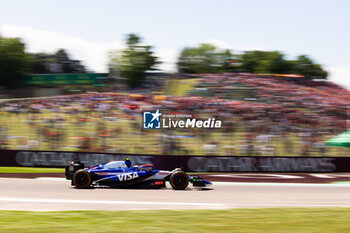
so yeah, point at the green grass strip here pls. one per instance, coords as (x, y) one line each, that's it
(239, 220)
(30, 170)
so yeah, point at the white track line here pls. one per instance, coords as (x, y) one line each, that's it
(286, 205)
(342, 185)
(74, 201)
(228, 205)
(51, 178)
(248, 183)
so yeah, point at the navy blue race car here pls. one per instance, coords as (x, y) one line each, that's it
(122, 174)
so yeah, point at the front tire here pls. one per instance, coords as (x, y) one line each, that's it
(179, 180)
(82, 179)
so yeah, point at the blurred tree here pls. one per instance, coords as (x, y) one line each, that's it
(265, 62)
(68, 65)
(305, 66)
(134, 61)
(205, 58)
(273, 62)
(59, 62)
(13, 62)
(38, 62)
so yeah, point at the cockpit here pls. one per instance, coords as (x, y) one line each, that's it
(115, 165)
(146, 167)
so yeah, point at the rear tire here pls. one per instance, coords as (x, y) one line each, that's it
(179, 180)
(82, 179)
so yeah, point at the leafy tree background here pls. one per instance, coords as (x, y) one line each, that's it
(207, 58)
(13, 62)
(39, 63)
(134, 61)
(305, 66)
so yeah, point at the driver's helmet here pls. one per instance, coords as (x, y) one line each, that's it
(127, 162)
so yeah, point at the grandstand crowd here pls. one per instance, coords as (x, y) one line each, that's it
(275, 116)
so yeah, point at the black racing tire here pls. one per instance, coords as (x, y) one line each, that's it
(82, 179)
(179, 180)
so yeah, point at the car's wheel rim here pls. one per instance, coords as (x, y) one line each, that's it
(82, 180)
(180, 181)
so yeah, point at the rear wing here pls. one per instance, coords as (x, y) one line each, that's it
(72, 168)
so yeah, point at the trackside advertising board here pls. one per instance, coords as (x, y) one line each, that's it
(63, 79)
(189, 163)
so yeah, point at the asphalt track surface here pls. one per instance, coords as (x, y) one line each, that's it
(54, 194)
(234, 177)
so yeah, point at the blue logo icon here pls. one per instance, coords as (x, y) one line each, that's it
(151, 120)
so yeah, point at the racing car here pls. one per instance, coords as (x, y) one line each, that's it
(122, 174)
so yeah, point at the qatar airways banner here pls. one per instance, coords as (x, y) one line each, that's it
(189, 163)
